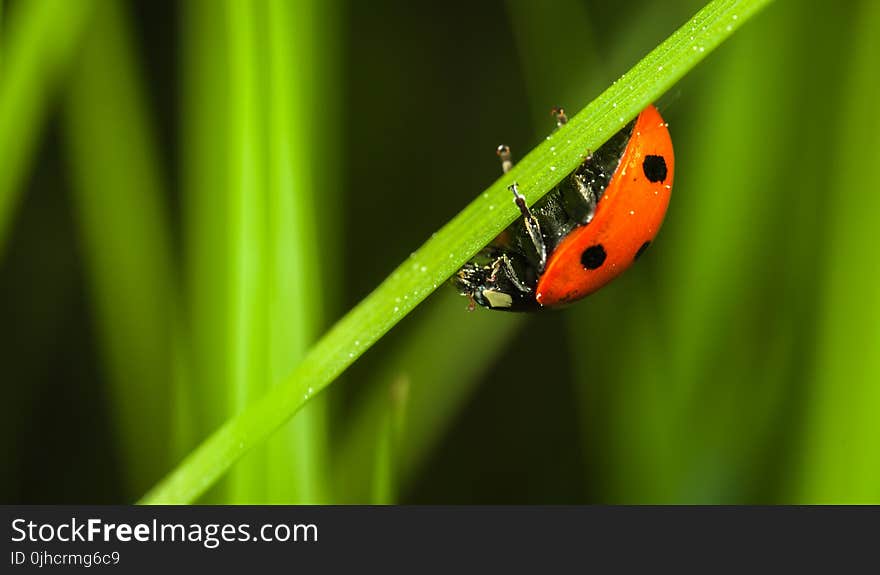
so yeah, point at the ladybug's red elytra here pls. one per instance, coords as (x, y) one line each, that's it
(584, 232)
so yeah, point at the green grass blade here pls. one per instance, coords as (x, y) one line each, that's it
(841, 462)
(204, 97)
(37, 48)
(386, 459)
(296, 455)
(126, 239)
(457, 241)
(247, 307)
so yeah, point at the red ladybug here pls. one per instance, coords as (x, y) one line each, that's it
(584, 232)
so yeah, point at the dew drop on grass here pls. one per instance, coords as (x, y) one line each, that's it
(423, 269)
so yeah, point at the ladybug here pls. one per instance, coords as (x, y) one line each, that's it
(583, 233)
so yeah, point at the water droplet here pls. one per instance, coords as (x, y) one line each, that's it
(423, 269)
(397, 309)
(552, 168)
(492, 207)
(357, 342)
(659, 68)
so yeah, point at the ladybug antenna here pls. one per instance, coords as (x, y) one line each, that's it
(559, 113)
(503, 152)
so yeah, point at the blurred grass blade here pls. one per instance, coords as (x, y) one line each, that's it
(37, 47)
(441, 358)
(247, 306)
(458, 240)
(385, 489)
(204, 151)
(841, 461)
(126, 239)
(296, 463)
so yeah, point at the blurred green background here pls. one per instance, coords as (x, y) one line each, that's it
(192, 192)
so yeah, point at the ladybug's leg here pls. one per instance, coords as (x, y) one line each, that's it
(587, 193)
(532, 227)
(503, 152)
(559, 113)
(502, 264)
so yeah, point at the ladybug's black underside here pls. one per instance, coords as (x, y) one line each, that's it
(503, 275)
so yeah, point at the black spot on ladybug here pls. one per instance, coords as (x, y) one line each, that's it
(593, 257)
(641, 250)
(654, 168)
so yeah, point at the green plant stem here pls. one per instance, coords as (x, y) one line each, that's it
(123, 223)
(296, 463)
(248, 238)
(454, 244)
(841, 464)
(39, 44)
